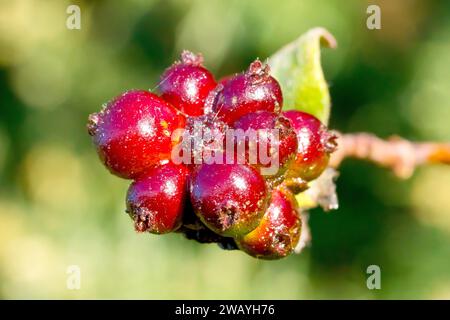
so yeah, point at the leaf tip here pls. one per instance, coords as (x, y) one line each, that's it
(326, 38)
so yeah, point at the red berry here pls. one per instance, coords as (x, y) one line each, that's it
(315, 144)
(251, 91)
(274, 143)
(230, 199)
(134, 131)
(279, 231)
(186, 84)
(156, 200)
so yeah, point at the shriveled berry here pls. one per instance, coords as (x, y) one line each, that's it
(253, 90)
(186, 84)
(157, 199)
(315, 144)
(134, 131)
(279, 231)
(270, 141)
(230, 199)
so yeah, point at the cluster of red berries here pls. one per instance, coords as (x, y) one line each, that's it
(228, 202)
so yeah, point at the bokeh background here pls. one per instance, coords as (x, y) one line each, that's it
(60, 207)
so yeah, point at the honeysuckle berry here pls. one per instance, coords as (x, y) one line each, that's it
(274, 145)
(279, 230)
(134, 132)
(189, 178)
(156, 200)
(230, 199)
(253, 90)
(315, 144)
(186, 84)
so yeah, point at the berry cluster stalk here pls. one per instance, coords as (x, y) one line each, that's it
(400, 155)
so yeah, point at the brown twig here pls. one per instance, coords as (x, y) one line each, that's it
(396, 153)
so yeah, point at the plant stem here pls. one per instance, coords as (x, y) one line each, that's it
(399, 155)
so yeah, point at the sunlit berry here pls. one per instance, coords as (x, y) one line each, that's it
(253, 90)
(315, 144)
(134, 132)
(156, 200)
(279, 231)
(186, 84)
(270, 142)
(230, 199)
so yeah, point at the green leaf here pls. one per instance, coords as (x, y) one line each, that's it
(297, 68)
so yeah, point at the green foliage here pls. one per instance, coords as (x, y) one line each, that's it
(298, 69)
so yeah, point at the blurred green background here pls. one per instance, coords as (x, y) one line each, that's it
(60, 207)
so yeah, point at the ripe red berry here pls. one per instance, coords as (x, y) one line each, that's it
(157, 199)
(274, 143)
(230, 199)
(253, 90)
(199, 183)
(134, 131)
(186, 84)
(279, 231)
(315, 144)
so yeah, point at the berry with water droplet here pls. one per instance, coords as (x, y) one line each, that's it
(134, 132)
(156, 200)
